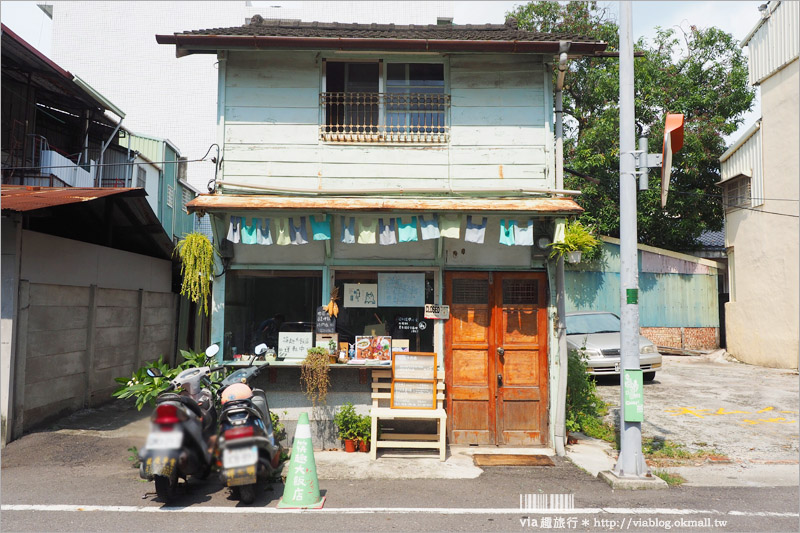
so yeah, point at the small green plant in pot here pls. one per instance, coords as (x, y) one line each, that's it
(578, 240)
(314, 375)
(348, 423)
(364, 432)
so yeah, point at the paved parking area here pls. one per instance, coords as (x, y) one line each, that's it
(747, 412)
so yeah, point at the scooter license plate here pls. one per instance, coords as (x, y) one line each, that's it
(239, 457)
(164, 440)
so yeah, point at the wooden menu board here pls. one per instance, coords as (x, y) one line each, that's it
(414, 365)
(414, 380)
(413, 394)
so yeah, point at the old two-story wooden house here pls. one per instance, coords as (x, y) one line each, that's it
(403, 165)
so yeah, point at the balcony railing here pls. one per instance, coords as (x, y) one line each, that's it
(418, 118)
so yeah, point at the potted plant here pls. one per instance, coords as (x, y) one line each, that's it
(364, 432)
(578, 240)
(197, 267)
(348, 422)
(314, 374)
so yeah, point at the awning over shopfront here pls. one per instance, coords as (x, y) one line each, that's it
(228, 202)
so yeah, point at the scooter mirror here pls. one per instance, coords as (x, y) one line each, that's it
(261, 348)
(154, 373)
(212, 350)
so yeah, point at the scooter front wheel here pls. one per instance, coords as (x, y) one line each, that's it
(166, 487)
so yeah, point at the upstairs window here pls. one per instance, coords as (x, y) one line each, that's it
(736, 193)
(388, 103)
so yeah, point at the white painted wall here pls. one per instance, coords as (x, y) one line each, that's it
(54, 260)
(8, 305)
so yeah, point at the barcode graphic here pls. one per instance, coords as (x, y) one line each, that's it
(546, 501)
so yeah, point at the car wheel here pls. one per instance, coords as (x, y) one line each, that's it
(649, 376)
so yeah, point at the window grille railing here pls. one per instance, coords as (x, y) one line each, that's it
(384, 117)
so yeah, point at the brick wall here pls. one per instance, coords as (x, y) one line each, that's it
(684, 338)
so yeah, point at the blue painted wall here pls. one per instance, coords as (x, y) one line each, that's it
(671, 298)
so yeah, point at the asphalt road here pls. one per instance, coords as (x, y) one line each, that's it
(746, 412)
(77, 478)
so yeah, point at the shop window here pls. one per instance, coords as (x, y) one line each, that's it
(254, 297)
(405, 324)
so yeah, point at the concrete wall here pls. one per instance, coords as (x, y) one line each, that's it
(762, 314)
(86, 314)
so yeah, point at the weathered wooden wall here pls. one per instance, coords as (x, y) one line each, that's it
(499, 128)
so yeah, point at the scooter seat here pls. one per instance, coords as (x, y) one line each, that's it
(185, 400)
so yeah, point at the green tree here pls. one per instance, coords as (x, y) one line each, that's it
(699, 72)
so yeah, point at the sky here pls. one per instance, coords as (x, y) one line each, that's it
(737, 18)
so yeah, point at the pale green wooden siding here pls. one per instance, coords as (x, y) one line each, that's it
(666, 299)
(272, 127)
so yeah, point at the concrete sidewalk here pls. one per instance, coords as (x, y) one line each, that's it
(120, 420)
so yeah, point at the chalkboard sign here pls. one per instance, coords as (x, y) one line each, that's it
(325, 322)
(414, 365)
(294, 345)
(413, 394)
(408, 324)
(401, 289)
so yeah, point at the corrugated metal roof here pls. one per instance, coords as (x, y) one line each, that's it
(24, 198)
(230, 202)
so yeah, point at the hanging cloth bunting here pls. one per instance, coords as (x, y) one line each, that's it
(507, 232)
(234, 229)
(250, 231)
(475, 232)
(407, 232)
(523, 236)
(264, 236)
(429, 228)
(387, 235)
(282, 232)
(367, 231)
(298, 233)
(450, 226)
(348, 230)
(321, 231)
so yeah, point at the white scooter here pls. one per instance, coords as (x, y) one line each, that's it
(181, 430)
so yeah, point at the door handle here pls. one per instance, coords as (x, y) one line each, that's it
(501, 352)
(499, 380)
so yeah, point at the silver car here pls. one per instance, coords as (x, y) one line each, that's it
(596, 335)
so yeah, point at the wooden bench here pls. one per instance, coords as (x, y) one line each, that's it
(381, 410)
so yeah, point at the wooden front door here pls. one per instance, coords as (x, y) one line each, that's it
(496, 358)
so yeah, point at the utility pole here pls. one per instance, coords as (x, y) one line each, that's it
(631, 461)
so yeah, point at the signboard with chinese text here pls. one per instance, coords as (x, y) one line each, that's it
(294, 345)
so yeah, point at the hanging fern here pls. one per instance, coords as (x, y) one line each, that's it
(197, 267)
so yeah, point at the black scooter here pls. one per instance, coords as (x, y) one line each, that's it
(246, 444)
(182, 428)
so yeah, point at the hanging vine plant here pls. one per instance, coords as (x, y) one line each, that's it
(197, 267)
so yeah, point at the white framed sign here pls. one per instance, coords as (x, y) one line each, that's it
(360, 295)
(437, 311)
(294, 344)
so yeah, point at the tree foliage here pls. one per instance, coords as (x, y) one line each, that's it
(700, 72)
